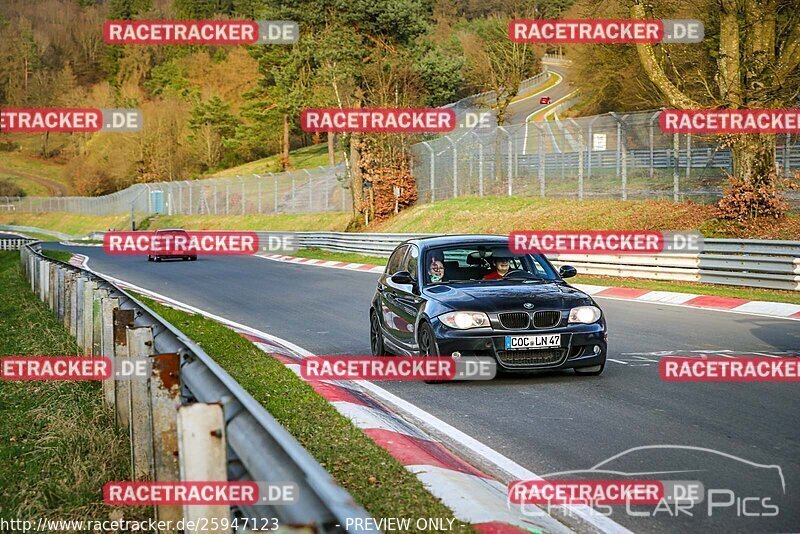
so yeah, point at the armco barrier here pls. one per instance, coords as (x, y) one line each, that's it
(14, 243)
(188, 411)
(741, 262)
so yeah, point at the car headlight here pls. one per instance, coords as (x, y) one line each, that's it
(584, 314)
(464, 320)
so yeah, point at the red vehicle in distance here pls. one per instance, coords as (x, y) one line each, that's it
(544, 100)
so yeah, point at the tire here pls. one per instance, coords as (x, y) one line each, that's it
(593, 370)
(427, 346)
(157, 258)
(193, 258)
(185, 258)
(149, 257)
(376, 335)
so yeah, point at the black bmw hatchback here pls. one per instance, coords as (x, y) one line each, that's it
(469, 295)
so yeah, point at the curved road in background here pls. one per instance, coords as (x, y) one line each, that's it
(521, 109)
(547, 422)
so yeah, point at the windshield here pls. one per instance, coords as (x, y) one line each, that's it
(484, 263)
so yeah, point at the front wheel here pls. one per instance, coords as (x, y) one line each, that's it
(376, 335)
(594, 370)
(428, 347)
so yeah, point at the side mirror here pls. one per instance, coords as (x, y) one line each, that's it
(567, 271)
(402, 278)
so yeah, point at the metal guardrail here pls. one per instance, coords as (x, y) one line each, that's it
(258, 447)
(14, 243)
(767, 264)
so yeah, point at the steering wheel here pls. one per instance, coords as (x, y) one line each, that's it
(518, 273)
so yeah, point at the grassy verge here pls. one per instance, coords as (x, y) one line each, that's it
(68, 223)
(371, 475)
(302, 158)
(303, 222)
(58, 443)
(60, 255)
(771, 295)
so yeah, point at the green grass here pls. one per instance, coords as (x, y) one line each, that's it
(68, 223)
(301, 222)
(60, 255)
(371, 475)
(302, 158)
(772, 295)
(58, 443)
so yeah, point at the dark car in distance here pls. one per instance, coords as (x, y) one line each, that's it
(469, 295)
(172, 254)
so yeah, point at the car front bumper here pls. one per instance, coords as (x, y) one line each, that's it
(582, 345)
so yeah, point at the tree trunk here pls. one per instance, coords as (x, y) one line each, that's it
(753, 157)
(285, 147)
(356, 184)
(331, 148)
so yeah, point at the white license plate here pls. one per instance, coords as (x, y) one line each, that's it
(546, 341)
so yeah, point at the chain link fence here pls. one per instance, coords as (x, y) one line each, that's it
(322, 189)
(621, 156)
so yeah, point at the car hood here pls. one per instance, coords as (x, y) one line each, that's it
(493, 297)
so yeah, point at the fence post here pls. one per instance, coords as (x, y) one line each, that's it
(786, 155)
(652, 140)
(123, 319)
(242, 195)
(432, 176)
(480, 165)
(310, 192)
(294, 203)
(190, 196)
(688, 155)
(165, 401)
(541, 169)
(326, 187)
(53, 298)
(227, 198)
(108, 307)
(675, 180)
(202, 443)
(258, 182)
(580, 157)
(275, 191)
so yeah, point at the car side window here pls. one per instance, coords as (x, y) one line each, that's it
(396, 260)
(411, 261)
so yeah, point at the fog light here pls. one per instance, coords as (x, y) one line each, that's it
(456, 355)
(597, 349)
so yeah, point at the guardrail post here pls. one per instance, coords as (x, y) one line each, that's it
(69, 289)
(77, 301)
(122, 320)
(140, 346)
(52, 298)
(97, 321)
(201, 440)
(165, 400)
(108, 307)
(88, 316)
(42, 280)
(61, 296)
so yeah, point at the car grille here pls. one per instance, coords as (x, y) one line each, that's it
(512, 358)
(546, 319)
(514, 319)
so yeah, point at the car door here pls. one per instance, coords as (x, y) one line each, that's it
(407, 300)
(390, 310)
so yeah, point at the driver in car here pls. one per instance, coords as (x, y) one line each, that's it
(501, 267)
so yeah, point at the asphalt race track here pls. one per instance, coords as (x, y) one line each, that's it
(557, 421)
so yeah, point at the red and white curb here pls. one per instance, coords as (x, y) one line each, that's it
(729, 304)
(474, 496)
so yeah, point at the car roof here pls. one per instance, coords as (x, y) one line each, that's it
(481, 239)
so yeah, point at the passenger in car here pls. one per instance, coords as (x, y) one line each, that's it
(501, 266)
(436, 270)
